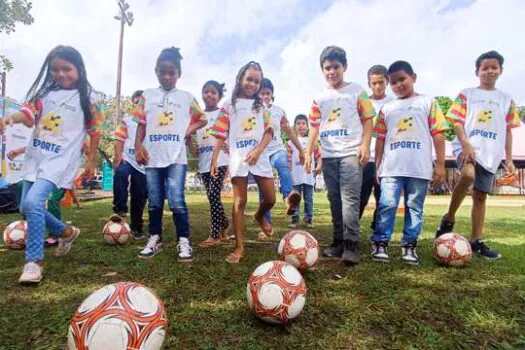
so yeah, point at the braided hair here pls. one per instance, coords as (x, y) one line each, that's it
(257, 103)
(173, 55)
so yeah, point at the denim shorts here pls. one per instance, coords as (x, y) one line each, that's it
(484, 179)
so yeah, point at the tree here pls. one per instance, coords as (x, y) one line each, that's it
(522, 113)
(12, 12)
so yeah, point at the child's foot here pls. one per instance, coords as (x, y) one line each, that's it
(32, 273)
(118, 218)
(138, 234)
(210, 242)
(292, 202)
(351, 253)
(50, 242)
(66, 241)
(153, 247)
(266, 227)
(444, 227)
(184, 250)
(308, 224)
(409, 254)
(380, 252)
(293, 224)
(479, 247)
(225, 235)
(235, 257)
(335, 250)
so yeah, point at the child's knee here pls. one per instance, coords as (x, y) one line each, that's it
(239, 204)
(479, 197)
(28, 205)
(468, 173)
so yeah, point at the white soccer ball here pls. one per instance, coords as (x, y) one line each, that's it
(116, 233)
(124, 315)
(276, 292)
(299, 248)
(15, 234)
(452, 249)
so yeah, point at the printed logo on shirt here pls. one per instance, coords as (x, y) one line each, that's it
(484, 116)
(206, 134)
(483, 122)
(335, 113)
(403, 140)
(52, 122)
(248, 124)
(404, 125)
(165, 119)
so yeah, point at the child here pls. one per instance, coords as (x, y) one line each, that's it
(405, 130)
(303, 182)
(212, 93)
(166, 116)
(128, 173)
(342, 117)
(277, 153)
(377, 81)
(245, 124)
(61, 103)
(483, 119)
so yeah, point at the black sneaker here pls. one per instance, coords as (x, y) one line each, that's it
(444, 227)
(351, 253)
(481, 248)
(409, 254)
(380, 252)
(138, 234)
(153, 247)
(335, 250)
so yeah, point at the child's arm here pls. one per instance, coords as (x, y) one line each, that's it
(380, 149)
(293, 137)
(16, 152)
(315, 121)
(512, 120)
(94, 132)
(456, 116)
(220, 131)
(117, 156)
(141, 154)
(190, 142)
(319, 160)
(14, 118)
(194, 127)
(439, 167)
(380, 131)
(289, 155)
(253, 156)
(197, 118)
(214, 170)
(366, 112)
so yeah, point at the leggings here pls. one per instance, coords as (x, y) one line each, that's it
(213, 190)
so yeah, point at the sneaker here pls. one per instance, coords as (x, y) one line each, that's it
(32, 273)
(409, 254)
(293, 224)
(380, 252)
(184, 250)
(481, 248)
(292, 202)
(65, 244)
(444, 227)
(50, 242)
(334, 251)
(308, 224)
(138, 234)
(153, 247)
(118, 218)
(351, 253)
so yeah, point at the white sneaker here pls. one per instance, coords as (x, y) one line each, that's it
(184, 250)
(65, 244)
(32, 273)
(153, 247)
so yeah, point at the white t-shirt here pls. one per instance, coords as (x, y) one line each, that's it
(299, 175)
(54, 152)
(485, 115)
(340, 115)
(126, 132)
(407, 126)
(16, 137)
(278, 120)
(167, 116)
(243, 128)
(206, 143)
(378, 104)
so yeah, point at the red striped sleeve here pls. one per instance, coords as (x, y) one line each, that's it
(380, 127)
(138, 110)
(315, 115)
(221, 128)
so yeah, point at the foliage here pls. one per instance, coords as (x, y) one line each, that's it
(12, 12)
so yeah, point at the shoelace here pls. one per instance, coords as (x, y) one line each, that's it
(184, 246)
(32, 268)
(152, 243)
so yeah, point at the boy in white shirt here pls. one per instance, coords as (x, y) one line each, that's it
(405, 130)
(483, 119)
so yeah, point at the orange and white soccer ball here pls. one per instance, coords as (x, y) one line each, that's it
(276, 292)
(299, 248)
(124, 315)
(452, 249)
(116, 233)
(15, 234)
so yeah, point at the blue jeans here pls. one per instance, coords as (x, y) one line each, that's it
(34, 196)
(415, 192)
(308, 195)
(279, 161)
(126, 175)
(167, 182)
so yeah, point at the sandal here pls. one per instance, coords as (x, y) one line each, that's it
(225, 235)
(234, 258)
(292, 202)
(266, 227)
(210, 242)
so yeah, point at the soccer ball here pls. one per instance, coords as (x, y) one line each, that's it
(299, 248)
(124, 315)
(116, 233)
(15, 234)
(276, 292)
(452, 249)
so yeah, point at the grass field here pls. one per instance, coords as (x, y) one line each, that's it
(369, 306)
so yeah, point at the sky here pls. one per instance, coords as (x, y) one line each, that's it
(440, 38)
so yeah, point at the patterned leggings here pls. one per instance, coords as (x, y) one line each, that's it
(213, 189)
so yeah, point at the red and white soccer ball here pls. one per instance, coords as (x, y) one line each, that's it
(299, 248)
(116, 233)
(124, 315)
(15, 234)
(452, 249)
(276, 292)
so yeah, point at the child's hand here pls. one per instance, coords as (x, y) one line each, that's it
(4, 122)
(510, 168)
(253, 156)
(317, 170)
(439, 175)
(117, 160)
(214, 169)
(363, 154)
(307, 162)
(13, 154)
(141, 155)
(226, 148)
(301, 158)
(468, 155)
(89, 169)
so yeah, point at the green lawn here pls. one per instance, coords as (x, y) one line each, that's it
(369, 306)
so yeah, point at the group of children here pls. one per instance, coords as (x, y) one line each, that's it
(243, 138)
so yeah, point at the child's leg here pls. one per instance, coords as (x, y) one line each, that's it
(331, 179)
(479, 200)
(176, 180)
(350, 178)
(120, 188)
(415, 194)
(366, 187)
(466, 179)
(240, 189)
(213, 187)
(292, 198)
(266, 186)
(391, 188)
(377, 195)
(297, 212)
(138, 193)
(308, 193)
(156, 194)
